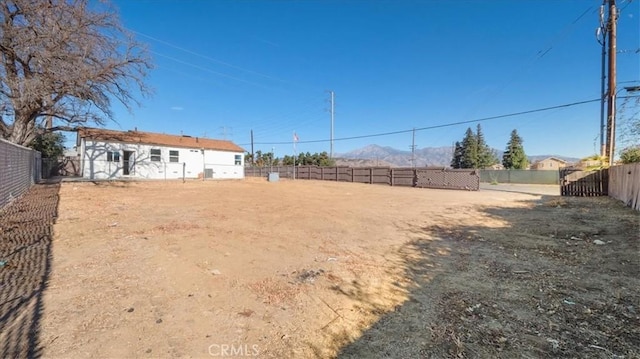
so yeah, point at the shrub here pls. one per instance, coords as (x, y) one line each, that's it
(630, 155)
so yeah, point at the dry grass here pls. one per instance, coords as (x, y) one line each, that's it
(322, 269)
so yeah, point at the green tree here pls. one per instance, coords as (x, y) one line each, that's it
(287, 160)
(324, 160)
(456, 161)
(486, 156)
(248, 159)
(259, 159)
(267, 159)
(49, 144)
(473, 151)
(630, 155)
(469, 158)
(304, 159)
(514, 156)
(308, 159)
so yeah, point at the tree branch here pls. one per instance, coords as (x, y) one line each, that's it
(62, 59)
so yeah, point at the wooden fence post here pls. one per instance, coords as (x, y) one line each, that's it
(370, 175)
(392, 177)
(336, 173)
(353, 170)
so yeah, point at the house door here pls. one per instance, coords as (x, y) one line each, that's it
(127, 162)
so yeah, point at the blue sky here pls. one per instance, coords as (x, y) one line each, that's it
(225, 67)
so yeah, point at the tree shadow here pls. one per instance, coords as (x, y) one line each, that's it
(531, 281)
(97, 166)
(26, 233)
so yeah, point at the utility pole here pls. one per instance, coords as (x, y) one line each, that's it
(601, 37)
(413, 149)
(611, 92)
(332, 118)
(252, 159)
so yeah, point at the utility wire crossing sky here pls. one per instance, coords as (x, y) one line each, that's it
(433, 65)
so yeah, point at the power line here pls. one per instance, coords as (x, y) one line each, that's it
(207, 69)
(435, 126)
(192, 52)
(205, 56)
(559, 36)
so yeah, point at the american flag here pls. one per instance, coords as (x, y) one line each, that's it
(295, 137)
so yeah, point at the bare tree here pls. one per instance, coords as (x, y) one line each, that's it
(64, 60)
(629, 123)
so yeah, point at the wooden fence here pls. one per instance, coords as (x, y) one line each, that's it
(624, 184)
(427, 177)
(575, 182)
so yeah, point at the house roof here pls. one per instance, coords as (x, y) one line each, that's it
(150, 138)
(552, 159)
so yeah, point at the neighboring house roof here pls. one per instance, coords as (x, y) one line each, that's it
(539, 163)
(150, 138)
(552, 159)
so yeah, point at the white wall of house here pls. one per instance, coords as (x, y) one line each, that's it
(107, 160)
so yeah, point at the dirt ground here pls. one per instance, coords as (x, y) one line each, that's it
(321, 269)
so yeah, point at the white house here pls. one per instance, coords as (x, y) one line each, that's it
(107, 154)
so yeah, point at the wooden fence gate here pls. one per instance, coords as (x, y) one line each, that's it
(575, 182)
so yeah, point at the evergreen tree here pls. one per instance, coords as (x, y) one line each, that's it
(469, 158)
(514, 156)
(486, 155)
(456, 161)
(49, 144)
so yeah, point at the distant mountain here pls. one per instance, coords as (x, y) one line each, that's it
(428, 156)
(352, 162)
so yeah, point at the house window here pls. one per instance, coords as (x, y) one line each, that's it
(238, 160)
(156, 155)
(113, 156)
(174, 156)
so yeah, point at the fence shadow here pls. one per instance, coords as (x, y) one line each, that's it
(26, 233)
(526, 286)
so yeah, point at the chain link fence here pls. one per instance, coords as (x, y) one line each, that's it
(20, 167)
(519, 176)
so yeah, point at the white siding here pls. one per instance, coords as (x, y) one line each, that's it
(190, 162)
(223, 164)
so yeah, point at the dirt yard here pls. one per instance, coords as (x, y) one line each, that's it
(321, 269)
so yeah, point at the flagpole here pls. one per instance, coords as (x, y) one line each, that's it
(294, 154)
